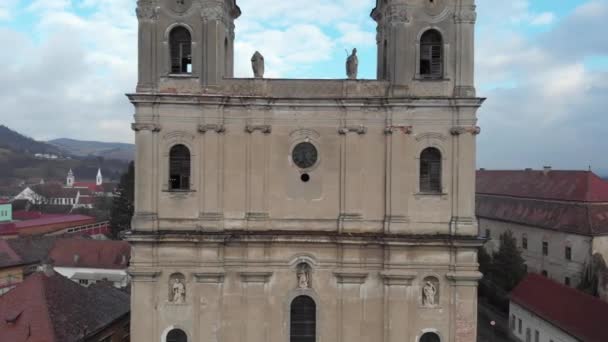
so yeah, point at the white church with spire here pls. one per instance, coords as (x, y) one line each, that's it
(95, 187)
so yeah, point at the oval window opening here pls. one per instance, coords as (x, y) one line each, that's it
(305, 177)
(304, 155)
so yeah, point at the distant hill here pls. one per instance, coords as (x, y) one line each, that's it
(19, 164)
(13, 141)
(106, 150)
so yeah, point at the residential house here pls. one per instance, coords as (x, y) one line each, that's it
(47, 307)
(90, 261)
(542, 310)
(6, 211)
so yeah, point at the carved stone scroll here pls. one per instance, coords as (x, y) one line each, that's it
(466, 15)
(474, 130)
(355, 129)
(145, 127)
(146, 11)
(266, 129)
(403, 129)
(212, 127)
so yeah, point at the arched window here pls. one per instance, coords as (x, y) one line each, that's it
(431, 55)
(179, 168)
(430, 170)
(430, 337)
(177, 335)
(303, 320)
(180, 43)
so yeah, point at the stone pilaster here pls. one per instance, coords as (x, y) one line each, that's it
(145, 176)
(463, 175)
(396, 305)
(398, 189)
(464, 297)
(465, 19)
(257, 180)
(350, 177)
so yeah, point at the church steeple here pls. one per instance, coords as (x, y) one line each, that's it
(99, 178)
(70, 179)
(185, 39)
(426, 48)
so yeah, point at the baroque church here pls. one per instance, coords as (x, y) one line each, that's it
(301, 210)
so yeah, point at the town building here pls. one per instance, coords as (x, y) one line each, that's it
(90, 261)
(305, 210)
(47, 307)
(71, 195)
(84, 261)
(55, 224)
(559, 218)
(542, 310)
(12, 268)
(6, 211)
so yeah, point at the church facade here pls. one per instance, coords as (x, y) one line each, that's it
(293, 210)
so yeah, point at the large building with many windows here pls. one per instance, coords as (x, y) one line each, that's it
(559, 218)
(305, 210)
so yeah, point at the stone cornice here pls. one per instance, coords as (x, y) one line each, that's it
(398, 277)
(351, 277)
(255, 277)
(144, 276)
(303, 102)
(464, 278)
(321, 237)
(209, 277)
(217, 128)
(143, 126)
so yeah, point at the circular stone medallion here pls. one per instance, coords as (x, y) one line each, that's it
(434, 7)
(179, 6)
(304, 155)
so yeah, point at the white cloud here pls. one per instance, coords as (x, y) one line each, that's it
(554, 113)
(7, 9)
(545, 18)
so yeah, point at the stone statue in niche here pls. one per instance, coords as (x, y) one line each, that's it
(352, 65)
(177, 293)
(303, 276)
(430, 292)
(257, 63)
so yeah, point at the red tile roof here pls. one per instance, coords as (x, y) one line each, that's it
(579, 186)
(45, 224)
(91, 186)
(91, 253)
(580, 315)
(569, 201)
(55, 309)
(8, 257)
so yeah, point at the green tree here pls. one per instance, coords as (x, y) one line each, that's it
(485, 262)
(122, 204)
(508, 266)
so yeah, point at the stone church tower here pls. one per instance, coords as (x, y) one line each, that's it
(284, 210)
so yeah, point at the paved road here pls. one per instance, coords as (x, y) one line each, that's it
(485, 331)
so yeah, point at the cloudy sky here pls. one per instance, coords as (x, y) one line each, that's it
(542, 64)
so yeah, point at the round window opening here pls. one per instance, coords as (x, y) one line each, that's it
(304, 155)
